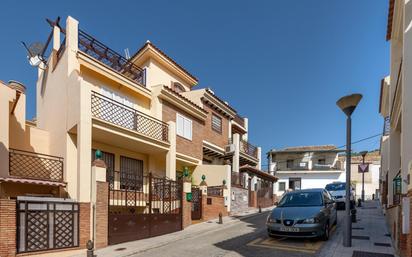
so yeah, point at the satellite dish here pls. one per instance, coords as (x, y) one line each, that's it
(35, 53)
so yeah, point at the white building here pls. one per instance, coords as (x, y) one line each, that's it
(305, 167)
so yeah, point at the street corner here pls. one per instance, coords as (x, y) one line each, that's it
(310, 246)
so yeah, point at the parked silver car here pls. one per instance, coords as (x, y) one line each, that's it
(303, 213)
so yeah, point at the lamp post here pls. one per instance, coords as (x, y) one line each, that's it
(348, 104)
(363, 153)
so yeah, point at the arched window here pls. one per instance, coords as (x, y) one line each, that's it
(178, 87)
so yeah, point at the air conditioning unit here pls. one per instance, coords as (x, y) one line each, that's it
(230, 148)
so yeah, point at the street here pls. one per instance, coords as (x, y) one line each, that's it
(246, 238)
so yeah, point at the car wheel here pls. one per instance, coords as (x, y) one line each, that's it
(325, 236)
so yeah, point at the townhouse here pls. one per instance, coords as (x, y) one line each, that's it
(305, 167)
(121, 149)
(396, 142)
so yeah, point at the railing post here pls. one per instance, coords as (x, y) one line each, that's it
(150, 193)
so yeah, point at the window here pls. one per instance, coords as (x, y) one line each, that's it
(289, 164)
(183, 126)
(282, 186)
(117, 97)
(131, 173)
(216, 123)
(321, 161)
(178, 87)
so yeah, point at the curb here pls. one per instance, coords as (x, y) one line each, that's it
(231, 222)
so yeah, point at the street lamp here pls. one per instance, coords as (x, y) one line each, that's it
(348, 104)
(363, 153)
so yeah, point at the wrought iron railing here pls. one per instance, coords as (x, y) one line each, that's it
(24, 164)
(111, 58)
(386, 126)
(124, 116)
(215, 190)
(47, 225)
(247, 148)
(239, 120)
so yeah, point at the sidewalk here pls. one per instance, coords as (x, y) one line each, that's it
(130, 248)
(368, 235)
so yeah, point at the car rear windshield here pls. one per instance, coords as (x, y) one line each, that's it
(335, 187)
(297, 199)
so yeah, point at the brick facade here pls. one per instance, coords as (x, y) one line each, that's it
(84, 224)
(186, 212)
(102, 213)
(253, 199)
(212, 136)
(211, 211)
(7, 227)
(192, 148)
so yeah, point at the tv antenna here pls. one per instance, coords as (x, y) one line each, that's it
(35, 53)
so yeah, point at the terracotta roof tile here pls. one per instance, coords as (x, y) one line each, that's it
(257, 172)
(165, 55)
(32, 181)
(390, 19)
(185, 99)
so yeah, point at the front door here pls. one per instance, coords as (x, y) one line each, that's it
(196, 203)
(295, 183)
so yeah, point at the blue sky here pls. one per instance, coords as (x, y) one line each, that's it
(283, 64)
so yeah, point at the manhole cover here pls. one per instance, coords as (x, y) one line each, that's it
(383, 244)
(370, 254)
(357, 228)
(361, 237)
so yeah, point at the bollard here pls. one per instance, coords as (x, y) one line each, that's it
(220, 218)
(260, 209)
(90, 247)
(353, 215)
(359, 202)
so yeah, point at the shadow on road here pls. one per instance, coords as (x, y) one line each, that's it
(258, 243)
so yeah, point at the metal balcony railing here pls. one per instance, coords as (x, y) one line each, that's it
(247, 148)
(124, 116)
(31, 165)
(111, 58)
(239, 120)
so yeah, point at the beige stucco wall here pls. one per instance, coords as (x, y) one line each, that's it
(6, 96)
(215, 174)
(157, 73)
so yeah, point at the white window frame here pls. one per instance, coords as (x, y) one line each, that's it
(118, 97)
(185, 129)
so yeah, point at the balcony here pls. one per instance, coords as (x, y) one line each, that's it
(30, 165)
(239, 120)
(94, 48)
(248, 149)
(126, 117)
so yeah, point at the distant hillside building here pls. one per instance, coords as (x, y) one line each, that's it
(305, 167)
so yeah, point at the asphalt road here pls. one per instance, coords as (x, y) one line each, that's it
(247, 238)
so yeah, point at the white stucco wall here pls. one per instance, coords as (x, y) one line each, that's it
(312, 180)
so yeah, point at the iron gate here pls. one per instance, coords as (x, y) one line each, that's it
(196, 203)
(46, 224)
(142, 206)
(265, 194)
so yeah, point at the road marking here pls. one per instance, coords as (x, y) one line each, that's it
(283, 243)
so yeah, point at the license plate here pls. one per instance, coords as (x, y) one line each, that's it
(286, 229)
